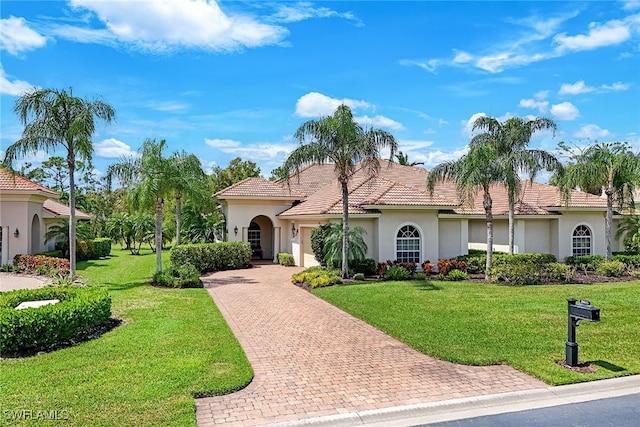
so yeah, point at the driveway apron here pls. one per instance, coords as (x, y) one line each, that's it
(311, 359)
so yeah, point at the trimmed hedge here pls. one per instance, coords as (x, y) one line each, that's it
(47, 327)
(286, 259)
(317, 277)
(587, 262)
(208, 257)
(93, 249)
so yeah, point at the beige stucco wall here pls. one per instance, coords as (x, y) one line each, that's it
(453, 238)
(478, 234)
(537, 236)
(24, 213)
(392, 220)
(567, 224)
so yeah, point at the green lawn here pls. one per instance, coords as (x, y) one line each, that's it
(173, 344)
(525, 327)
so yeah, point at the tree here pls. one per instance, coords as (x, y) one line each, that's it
(610, 166)
(60, 234)
(630, 228)
(332, 248)
(190, 180)
(278, 174)
(403, 159)
(338, 139)
(52, 119)
(475, 171)
(236, 171)
(511, 140)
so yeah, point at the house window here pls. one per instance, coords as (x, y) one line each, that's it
(408, 244)
(253, 235)
(581, 240)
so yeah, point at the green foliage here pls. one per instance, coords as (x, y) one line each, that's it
(93, 249)
(318, 235)
(213, 256)
(456, 275)
(53, 254)
(332, 248)
(397, 272)
(630, 261)
(367, 266)
(236, 171)
(286, 259)
(530, 258)
(420, 276)
(46, 265)
(316, 277)
(476, 262)
(611, 268)
(358, 276)
(49, 326)
(447, 265)
(586, 262)
(178, 276)
(515, 274)
(556, 271)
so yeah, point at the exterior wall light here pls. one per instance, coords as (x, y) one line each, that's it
(16, 233)
(294, 231)
(235, 230)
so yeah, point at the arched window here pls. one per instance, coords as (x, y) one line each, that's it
(408, 244)
(581, 241)
(253, 236)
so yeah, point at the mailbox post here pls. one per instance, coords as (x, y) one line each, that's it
(577, 312)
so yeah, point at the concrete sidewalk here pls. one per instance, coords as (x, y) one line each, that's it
(13, 281)
(312, 360)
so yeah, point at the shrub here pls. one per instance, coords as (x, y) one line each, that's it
(163, 278)
(427, 267)
(382, 268)
(530, 258)
(34, 263)
(213, 256)
(52, 254)
(411, 267)
(397, 272)
(611, 268)
(631, 261)
(286, 259)
(366, 266)
(358, 276)
(586, 262)
(476, 263)
(317, 276)
(420, 276)
(518, 274)
(556, 271)
(457, 275)
(181, 276)
(49, 326)
(446, 265)
(93, 249)
(318, 235)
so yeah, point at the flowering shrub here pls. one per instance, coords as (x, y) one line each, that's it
(38, 264)
(446, 265)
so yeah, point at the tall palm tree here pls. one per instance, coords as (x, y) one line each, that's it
(190, 180)
(511, 140)
(403, 159)
(613, 167)
(475, 171)
(338, 139)
(52, 119)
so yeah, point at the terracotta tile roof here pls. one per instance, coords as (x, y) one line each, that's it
(13, 182)
(310, 179)
(62, 210)
(259, 188)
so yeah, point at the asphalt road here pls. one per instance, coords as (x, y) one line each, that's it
(623, 411)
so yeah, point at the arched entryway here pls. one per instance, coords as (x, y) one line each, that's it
(35, 235)
(260, 234)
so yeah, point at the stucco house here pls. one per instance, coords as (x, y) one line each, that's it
(403, 221)
(27, 210)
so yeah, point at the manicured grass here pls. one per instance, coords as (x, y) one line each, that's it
(525, 327)
(172, 345)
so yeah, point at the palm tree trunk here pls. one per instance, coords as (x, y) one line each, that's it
(608, 221)
(178, 216)
(488, 203)
(159, 206)
(345, 230)
(512, 227)
(71, 162)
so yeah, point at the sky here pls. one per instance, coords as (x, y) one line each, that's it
(226, 79)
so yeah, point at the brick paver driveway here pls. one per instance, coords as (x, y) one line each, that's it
(311, 359)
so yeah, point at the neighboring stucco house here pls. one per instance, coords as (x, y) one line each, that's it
(403, 221)
(27, 210)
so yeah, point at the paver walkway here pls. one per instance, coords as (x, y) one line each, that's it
(311, 359)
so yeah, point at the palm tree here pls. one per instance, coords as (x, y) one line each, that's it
(338, 139)
(332, 249)
(190, 180)
(403, 159)
(610, 166)
(476, 170)
(52, 119)
(629, 227)
(60, 234)
(511, 140)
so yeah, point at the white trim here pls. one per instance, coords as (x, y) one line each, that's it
(591, 237)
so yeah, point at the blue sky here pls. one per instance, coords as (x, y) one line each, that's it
(237, 78)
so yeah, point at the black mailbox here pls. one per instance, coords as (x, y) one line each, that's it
(577, 312)
(584, 311)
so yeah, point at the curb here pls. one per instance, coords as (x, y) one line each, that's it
(457, 409)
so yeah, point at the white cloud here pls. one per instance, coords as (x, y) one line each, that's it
(565, 111)
(295, 12)
(431, 65)
(433, 158)
(13, 88)
(591, 131)
(16, 36)
(168, 106)
(222, 143)
(617, 86)
(378, 122)
(462, 57)
(575, 89)
(260, 152)
(467, 125)
(496, 63)
(607, 34)
(541, 106)
(631, 5)
(112, 148)
(165, 25)
(317, 105)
